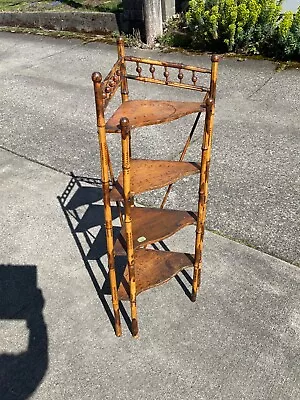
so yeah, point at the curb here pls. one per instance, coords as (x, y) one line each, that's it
(89, 22)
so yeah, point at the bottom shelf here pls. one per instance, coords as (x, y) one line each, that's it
(153, 268)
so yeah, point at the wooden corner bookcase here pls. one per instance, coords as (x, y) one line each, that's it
(143, 226)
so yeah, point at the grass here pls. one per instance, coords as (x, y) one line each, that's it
(61, 5)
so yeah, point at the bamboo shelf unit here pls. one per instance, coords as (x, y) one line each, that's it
(146, 268)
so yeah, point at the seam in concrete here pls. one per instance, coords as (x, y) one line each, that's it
(42, 59)
(244, 243)
(259, 89)
(60, 52)
(209, 230)
(34, 161)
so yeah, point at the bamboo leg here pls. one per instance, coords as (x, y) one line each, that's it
(182, 155)
(212, 94)
(97, 78)
(124, 123)
(213, 82)
(124, 84)
(205, 162)
(186, 146)
(214, 76)
(111, 174)
(203, 192)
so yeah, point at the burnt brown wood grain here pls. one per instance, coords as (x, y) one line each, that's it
(151, 112)
(150, 225)
(153, 174)
(147, 268)
(153, 268)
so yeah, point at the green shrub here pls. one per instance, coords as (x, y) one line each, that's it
(247, 26)
(222, 25)
(286, 40)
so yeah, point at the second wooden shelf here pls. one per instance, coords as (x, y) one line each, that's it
(153, 174)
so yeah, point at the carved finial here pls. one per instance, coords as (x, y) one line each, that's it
(124, 121)
(215, 58)
(166, 74)
(180, 75)
(152, 70)
(96, 77)
(138, 69)
(194, 78)
(120, 40)
(209, 102)
(124, 126)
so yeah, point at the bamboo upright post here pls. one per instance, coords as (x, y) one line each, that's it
(182, 155)
(212, 94)
(125, 131)
(97, 79)
(214, 76)
(124, 83)
(203, 192)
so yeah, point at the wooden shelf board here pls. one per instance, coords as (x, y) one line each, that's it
(150, 225)
(151, 112)
(153, 268)
(147, 175)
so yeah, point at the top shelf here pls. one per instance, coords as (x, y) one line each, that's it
(151, 112)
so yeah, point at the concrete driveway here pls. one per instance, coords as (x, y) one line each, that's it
(47, 114)
(240, 340)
